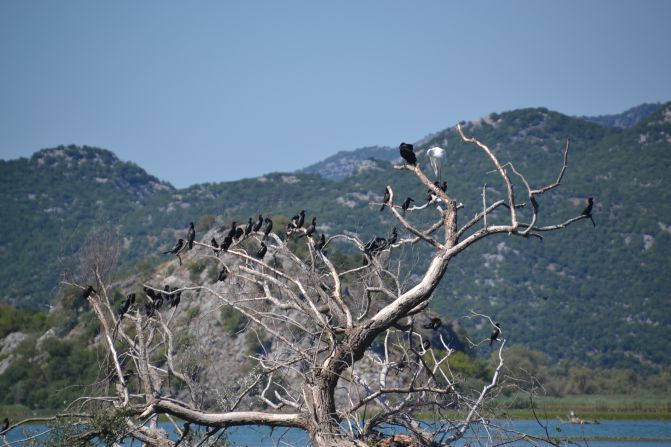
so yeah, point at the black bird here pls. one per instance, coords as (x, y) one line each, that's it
(87, 292)
(176, 297)
(167, 297)
(239, 232)
(298, 220)
(226, 243)
(385, 199)
(495, 333)
(158, 302)
(123, 307)
(150, 293)
(406, 204)
(5, 425)
(443, 186)
(262, 251)
(310, 228)
(223, 274)
(214, 243)
(267, 228)
(320, 244)
(257, 225)
(588, 210)
(149, 309)
(234, 228)
(426, 344)
(248, 227)
(375, 246)
(408, 153)
(434, 324)
(177, 248)
(191, 235)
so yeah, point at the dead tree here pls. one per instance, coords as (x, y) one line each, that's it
(322, 321)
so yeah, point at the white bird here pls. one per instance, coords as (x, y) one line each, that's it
(437, 157)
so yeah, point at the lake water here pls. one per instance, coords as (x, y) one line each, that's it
(648, 434)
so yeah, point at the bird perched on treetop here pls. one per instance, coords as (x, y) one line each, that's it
(233, 230)
(495, 333)
(406, 204)
(434, 324)
(248, 227)
(267, 228)
(310, 228)
(258, 224)
(177, 248)
(321, 243)
(437, 157)
(588, 210)
(408, 153)
(385, 199)
(191, 235)
(262, 251)
(88, 291)
(298, 220)
(214, 243)
(393, 236)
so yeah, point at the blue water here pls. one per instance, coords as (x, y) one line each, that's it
(477, 436)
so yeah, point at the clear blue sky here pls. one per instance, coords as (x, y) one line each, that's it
(220, 90)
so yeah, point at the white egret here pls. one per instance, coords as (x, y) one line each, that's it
(437, 158)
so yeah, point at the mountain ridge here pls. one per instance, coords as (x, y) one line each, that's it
(563, 280)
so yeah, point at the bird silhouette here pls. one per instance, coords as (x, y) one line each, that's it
(88, 291)
(320, 244)
(385, 199)
(177, 248)
(310, 228)
(176, 298)
(214, 243)
(226, 243)
(495, 333)
(433, 324)
(5, 425)
(258, 224)
(298, 220)
(223, 274)
(125, 305)
(267, 228)
(408, 153)
(262, 251)
(588, 210)
(191, 235)
(233, 230)
(426, 344)
(406, 204)
(239, 232)
(248, 227)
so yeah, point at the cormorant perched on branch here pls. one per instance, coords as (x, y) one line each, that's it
(258, 224)
(588, 210)
(175, 298)
(191, 235)
(298, 220)
(385, 199)
(406, 204)
(434, 324)
(408, 153)
(262, 251)
(177, 248)
(495, 333)
(310, 228)
(239, 232)
(214, 243)
(5, 425)
(233, 230)
(320, 244)
(88, 291)
(123, 308)
(426, 344)
(268, 227)
(226, 243)
(248, 227)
